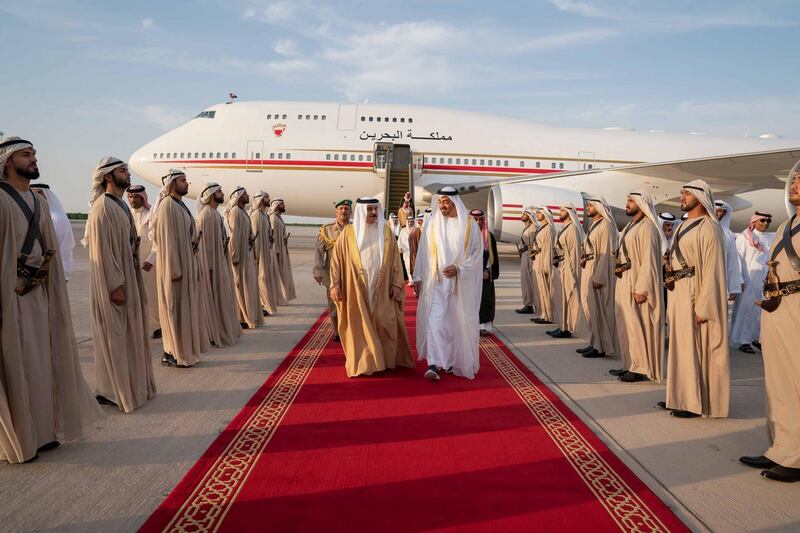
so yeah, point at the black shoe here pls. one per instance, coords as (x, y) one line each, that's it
(449, 370)
(782, 473)
(757, 345)
(49, 446)
(757, 461)
(525, 310)
(102, 400)
(563, 335)
(746, 348)
(169, 360)
(632, 377)
(662, 405)
(617, 371)
(678, 413)
(335, 337)
(157, 334)
(264, 312)
(244, 325)
(540, 321)
(553, 331)
(593, 353)
(584, 350)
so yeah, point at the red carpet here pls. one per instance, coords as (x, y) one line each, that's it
(316, 451)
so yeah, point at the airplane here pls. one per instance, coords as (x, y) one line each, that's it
(312, 154)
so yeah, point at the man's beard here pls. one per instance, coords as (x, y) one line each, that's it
(28, 173)
(794, 199)
(689, 206)
(122, 183)
(631, 212)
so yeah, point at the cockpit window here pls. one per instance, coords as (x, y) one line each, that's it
(206, 114)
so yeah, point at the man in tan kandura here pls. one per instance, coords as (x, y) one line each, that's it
(265, 256)
(527, 278)
(123, 364)
(45, 398)
(137, 198)
(216, 278)
(243, 259)
(367, 286)
(280, 244)
(544, 271)
(598, 281)
(179, 300)
(780, 337)
(698, 376)
(639, 296)
(568, 254)
(326, 240)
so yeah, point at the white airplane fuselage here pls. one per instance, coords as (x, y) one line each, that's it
(312, 154)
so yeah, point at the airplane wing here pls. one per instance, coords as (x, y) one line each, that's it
(727, 175)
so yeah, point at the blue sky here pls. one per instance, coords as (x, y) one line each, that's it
(84, 79)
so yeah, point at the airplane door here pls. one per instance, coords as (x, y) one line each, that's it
(347, 117)
(254, 154)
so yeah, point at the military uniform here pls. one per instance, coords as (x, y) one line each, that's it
(326, 240)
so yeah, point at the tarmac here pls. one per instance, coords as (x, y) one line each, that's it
(116, 476)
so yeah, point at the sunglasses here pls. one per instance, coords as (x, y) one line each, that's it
(767, 220)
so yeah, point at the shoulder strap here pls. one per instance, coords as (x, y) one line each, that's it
(33, 234)
(676, 248)
(786, 242)
(183, 205)
(127, 211)
(591, 229)
(625, 231)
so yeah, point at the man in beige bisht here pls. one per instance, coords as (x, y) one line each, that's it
(123, 365)
(524, 247)
(281, 246)
(567, 253)
(367, 286)
(179, 303)
(326, 240)
(216, 280)
(545, 273)
(243, 259)
(598, 281)
(137, 197)
(265, 257)
(698, 376)
(43, 396)
(639, 295)
(780, 337)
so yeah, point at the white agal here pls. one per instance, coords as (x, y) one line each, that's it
(313, 153)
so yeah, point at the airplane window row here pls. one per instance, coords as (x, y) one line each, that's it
(361, 157)
(277, 116)
(197, 155)
(486, 162)
(280, 156)
(386, 119)
(308, 117)
(207, 114)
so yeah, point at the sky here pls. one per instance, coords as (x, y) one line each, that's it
(85, 79)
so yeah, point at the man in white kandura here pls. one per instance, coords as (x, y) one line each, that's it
(447, 280)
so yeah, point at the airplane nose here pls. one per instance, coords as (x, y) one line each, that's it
(142, 164)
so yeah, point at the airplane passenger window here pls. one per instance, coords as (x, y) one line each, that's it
(449, 160)
(196, 155)
(505, 163)
(360, 157)
(327, 157)
(316, 117)
(561, 165)
(219, 155)
(481, 161)
(410, 120)
(308, 117)
(394, 119)
(497, 163)
(280, 156)
(553, 165)
(284, 116)
(474, 161)
(352, 157)
(226, 155)
(386, 119)
(299, 117)
(363, 119)
(590, 166)
(458, 161)
(402, 120)
(272, 155)
(490, 162)
(258, 155)
(181, 155)
(379, 119)
(288, 156)
(335, 157)
(323, 117)
(155, 156)
(370, 119)
(233, 155)
(538, 164)
(269, 117)
(369, 158)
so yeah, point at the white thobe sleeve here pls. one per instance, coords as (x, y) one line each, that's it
(733, 265)
(474, 253)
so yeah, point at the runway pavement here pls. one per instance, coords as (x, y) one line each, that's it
(114, 478)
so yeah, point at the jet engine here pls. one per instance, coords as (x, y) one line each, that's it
(505, 204)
